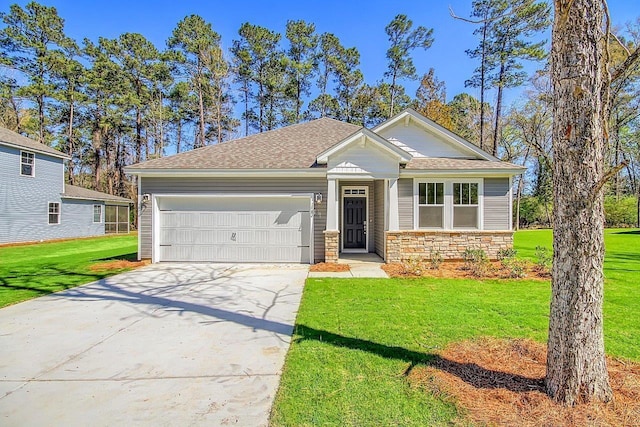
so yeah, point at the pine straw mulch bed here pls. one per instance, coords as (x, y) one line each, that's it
(332, 267)
(456, 270)
(119, 264)
(501, 382)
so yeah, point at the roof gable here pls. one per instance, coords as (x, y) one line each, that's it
(425, 138)
(366, 136)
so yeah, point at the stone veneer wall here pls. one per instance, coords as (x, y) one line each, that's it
(405, 245)
(331, 245)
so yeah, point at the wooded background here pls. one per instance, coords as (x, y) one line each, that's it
(120, 101)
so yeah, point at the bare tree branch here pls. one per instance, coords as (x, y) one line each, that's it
(607, 176)
(480, 21)
(628, 63)
(620, 43)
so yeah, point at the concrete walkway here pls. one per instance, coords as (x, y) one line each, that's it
(165, 345)
(360, 265)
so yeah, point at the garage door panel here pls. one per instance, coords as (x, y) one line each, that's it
(276, 230)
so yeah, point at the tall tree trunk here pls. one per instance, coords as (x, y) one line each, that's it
(41, 118)
(70, 144)
(519, 192)
(483, 63)
(97, 157)
(200, 143)
(392, 93)
(179, 136)
(246, 108)
(576, 365)
(497, 130)
(298, 100)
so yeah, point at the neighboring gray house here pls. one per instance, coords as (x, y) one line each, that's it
(309, 192)
(36, 204)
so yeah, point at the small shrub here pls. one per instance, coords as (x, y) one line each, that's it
(515, 267)
(414, 266)
(544, 258)
(435, 260)
(476, 261)
(506, 253)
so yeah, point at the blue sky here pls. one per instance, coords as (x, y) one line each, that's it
(356, 23)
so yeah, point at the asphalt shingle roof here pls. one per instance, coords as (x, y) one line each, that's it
(446, 163)
(291, 147)
(75, 192)
(10, 137)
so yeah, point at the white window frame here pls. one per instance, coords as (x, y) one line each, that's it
(33, 163)
(100, 214)
(59, 213)
(448, 202)
(419, 205)
(464, 205)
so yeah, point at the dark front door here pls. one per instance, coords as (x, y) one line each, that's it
(354, 216)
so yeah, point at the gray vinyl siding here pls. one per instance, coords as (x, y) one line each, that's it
(370, 209)
(378, 216)
(24, 202)
(496, 204)
(405, 203)
(298, 185)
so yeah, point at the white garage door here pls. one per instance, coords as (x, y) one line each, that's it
(234, 229)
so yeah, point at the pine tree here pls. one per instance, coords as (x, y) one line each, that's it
(403, 41)
(300, 66)
(30, 39)
(194, 43)
(257, 54)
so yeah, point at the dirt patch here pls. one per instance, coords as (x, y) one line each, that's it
(501, 382)
(332, 267)
(118, 265)
(457, 270)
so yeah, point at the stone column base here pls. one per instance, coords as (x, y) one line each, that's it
(331, 245)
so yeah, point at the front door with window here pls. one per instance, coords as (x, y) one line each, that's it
(354, 236)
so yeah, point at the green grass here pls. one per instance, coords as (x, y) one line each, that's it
(354, 338)
(622, 293)
(30, 271)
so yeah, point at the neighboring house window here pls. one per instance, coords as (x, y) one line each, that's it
(465, 205)
(27, 163)
(97, 213)
(54, 213)
(431, 205)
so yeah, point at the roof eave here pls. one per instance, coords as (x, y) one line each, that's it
(35, 150)
(462, 172)
(180, 172)
(94, 199)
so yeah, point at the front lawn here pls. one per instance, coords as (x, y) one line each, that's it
(355, 339)
(30, 271)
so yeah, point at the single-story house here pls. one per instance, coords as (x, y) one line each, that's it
(36, 204)
(308, 192)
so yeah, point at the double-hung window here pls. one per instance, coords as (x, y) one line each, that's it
(465, 205)
(97, 213)
(431, 205)
(27, 163)
(54, 213)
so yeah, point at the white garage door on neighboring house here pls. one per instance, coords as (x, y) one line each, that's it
(234, 229)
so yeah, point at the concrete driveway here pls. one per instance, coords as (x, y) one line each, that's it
(168, 344)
